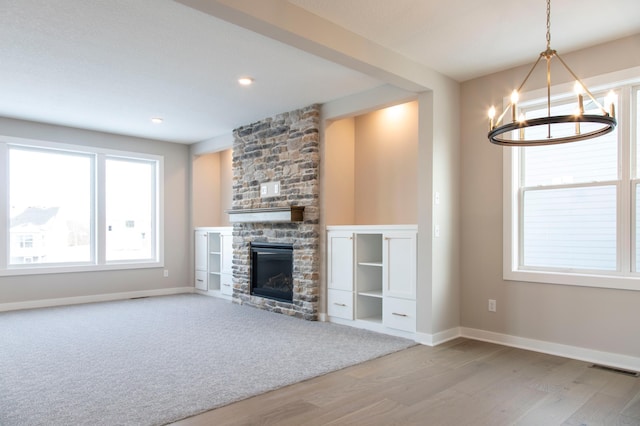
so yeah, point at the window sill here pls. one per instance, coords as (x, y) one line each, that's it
(618, 282)
(18, 271)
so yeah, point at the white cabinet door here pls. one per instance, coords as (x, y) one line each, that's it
(226, 252)
(340, 260)
(201, 250)
(226, 284)
(201, 280)
(399, 259)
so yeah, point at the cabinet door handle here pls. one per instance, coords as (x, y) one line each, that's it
(227, 285)
(399, 315)
(199, 280)
(339, 304)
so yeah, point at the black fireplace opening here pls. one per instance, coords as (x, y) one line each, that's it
(272, 271)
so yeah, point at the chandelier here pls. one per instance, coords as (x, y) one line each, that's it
(552, 129)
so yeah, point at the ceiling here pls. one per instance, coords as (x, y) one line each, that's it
(112, 65)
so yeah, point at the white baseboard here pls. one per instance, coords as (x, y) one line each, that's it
(438, 338)
(45, 303)
(610, 359)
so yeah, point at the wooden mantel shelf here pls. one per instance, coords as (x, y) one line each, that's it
(268, 214)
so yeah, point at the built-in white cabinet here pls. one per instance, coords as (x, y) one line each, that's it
(371, 277)
(213, 260)
(201, 240)
(399, 254)
(340, 274)
(226, 260)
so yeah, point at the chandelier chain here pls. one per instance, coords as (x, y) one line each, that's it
(548, 24)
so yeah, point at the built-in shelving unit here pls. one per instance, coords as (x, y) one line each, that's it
(368, 277)
(214, 253)
(214, 261)
(371, 274)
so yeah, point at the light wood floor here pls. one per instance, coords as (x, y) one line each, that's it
(462, 382)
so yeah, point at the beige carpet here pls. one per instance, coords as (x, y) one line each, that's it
(156, 360)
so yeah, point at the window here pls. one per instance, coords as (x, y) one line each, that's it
(130, 204)
(572, 211)
(50, 194)
(70, 209)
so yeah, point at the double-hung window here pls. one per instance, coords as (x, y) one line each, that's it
(70, 208)
(572, 211)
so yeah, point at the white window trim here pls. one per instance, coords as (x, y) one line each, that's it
(99, 222)
(510, 264)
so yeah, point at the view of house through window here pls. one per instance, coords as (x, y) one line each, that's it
(50, 196)
(79, 209)
(575, 205)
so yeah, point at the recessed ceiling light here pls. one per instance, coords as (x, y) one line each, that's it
(157, 120)
(245, 81)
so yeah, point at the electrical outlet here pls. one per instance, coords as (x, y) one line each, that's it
(492, 305)
(166, 273)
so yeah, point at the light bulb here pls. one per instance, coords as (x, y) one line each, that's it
(514, 97)
(514, 109)
(609, 103)
(492, 113)
(577, 88)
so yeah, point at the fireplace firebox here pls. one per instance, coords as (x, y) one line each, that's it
(272, 271)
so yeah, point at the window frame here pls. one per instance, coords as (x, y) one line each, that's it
(98, 240)
(625, 277)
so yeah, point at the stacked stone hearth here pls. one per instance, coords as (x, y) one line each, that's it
(284, 149)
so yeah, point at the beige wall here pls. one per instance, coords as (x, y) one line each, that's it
(211, 188)
(445, 180)
(386, 164)
(30, 288)
(592, 318)
(339, 172)
(205, 189)
(370, 172)
(226, 185)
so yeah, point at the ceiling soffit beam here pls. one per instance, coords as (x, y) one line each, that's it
(294, 26)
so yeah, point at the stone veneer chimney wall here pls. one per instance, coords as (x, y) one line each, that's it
(284, 149)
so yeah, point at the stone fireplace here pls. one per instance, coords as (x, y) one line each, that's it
(282, 149)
